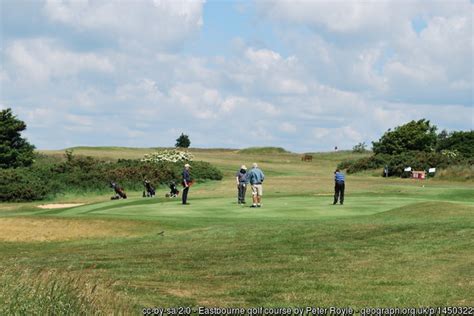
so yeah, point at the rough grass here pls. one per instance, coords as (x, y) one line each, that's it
(395, 242)
(459, 173)
(263, 150)
(45, 292)
(40, 229)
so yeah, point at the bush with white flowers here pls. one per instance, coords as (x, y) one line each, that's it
(170, 155)
(450, 153)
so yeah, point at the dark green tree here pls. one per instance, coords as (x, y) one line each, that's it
(442, 136)
(183, 141)
(359, 148)
(15, 151)
(413, 136)
(460, 141)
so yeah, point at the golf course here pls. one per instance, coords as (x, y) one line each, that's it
(394, 243)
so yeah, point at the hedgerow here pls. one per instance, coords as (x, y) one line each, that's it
(87, 174)
(396, 164)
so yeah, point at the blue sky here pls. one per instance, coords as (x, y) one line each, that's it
(304, 75)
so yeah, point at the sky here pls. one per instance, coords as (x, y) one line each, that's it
(304, 75)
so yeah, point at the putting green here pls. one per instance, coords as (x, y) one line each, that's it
(287, 207)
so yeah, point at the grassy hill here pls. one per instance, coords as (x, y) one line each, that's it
(395, 242)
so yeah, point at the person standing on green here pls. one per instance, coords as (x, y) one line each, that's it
(186, 183)
(256, 177)
(242, 180)
(339, 187)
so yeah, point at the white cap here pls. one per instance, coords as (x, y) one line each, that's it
(255, 165)
(187, 165)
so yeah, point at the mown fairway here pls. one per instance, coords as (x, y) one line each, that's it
(394, 243)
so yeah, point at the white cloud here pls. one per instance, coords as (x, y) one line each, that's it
(287, 127)
(145, 88)
(249, 106)
(261, 134)
(291, 86)
(342, 137)
(44, 59)
(321, 133)
(263, 58)
(4, 77)
(372, 47)
(156, 24)
(38, 117)
(194, 98)
(229, 104)
(336, 16)
(87, 99)
(80, 120)
(264, 71)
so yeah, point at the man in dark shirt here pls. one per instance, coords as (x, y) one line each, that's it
(186, 183)
(242, 181)
(339, 187)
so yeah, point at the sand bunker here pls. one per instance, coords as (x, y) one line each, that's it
(52, 206)
(46, 229)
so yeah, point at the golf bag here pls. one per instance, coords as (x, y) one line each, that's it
(149, 189)
(174, 192)
(119, 192)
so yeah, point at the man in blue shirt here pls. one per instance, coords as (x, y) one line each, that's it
(256, 177)
(339, 187)
(186, 183)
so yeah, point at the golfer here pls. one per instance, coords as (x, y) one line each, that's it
(339, 187)
(186, 183)
(242, 181)
(256, 177)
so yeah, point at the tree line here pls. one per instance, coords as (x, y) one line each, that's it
(415, 144)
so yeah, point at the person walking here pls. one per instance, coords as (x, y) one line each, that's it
(256, 177)
(339, 187)
(242, 181)
(186, 183)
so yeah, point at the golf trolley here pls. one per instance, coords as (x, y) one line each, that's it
(149, 189)
(119, 192)
(174, 192)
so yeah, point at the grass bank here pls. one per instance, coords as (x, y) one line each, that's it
(395, 242)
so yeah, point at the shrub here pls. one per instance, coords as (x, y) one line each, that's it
(365, 163)
(460, 142)
(420, 161)
(21, 184)
(172, 155)
(345, 164)
(360, 148)
(396, 164)
(87, 174)
(201, 170)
